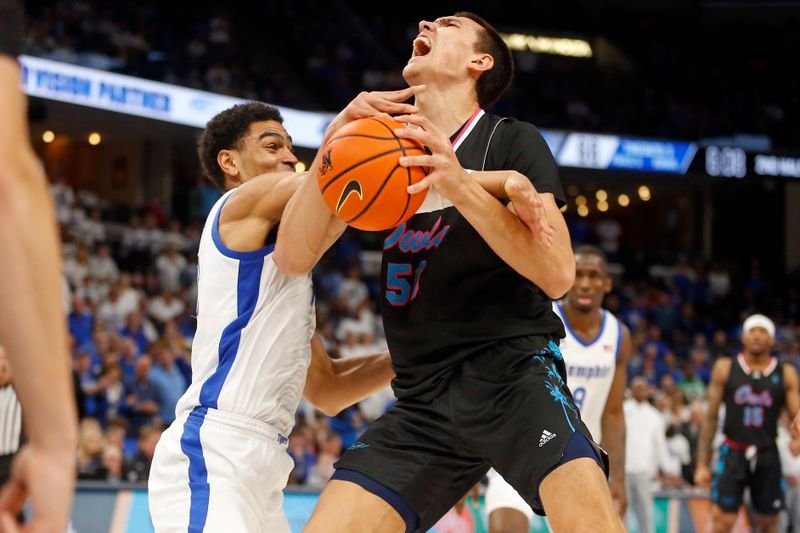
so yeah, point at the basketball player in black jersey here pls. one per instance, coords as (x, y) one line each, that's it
(755, 387)
(466, 298)
(32, 323)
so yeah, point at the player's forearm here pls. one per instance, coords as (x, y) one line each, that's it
(704, 441)
(493, 181)
(551, 269)
(613, 429)
(355, 378)
(306, 230)
(32, 323)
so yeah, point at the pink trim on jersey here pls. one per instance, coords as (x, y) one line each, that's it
(465, 131)
(773, 363)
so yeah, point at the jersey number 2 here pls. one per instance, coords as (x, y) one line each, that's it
(402, 283)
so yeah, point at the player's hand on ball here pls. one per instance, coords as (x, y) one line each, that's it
(529, 207)
(445, 173)
(702, 476)
(370, 104)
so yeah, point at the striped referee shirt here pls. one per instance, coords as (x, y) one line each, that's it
(10, 421)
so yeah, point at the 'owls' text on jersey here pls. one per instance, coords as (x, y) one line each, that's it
(590, 366)
(254, 326)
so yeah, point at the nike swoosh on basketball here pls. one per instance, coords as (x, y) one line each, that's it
(353, 186)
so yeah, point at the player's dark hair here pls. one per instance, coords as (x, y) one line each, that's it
(225, 130)
(588, 249)
(493, 82)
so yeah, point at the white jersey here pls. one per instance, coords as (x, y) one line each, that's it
(590, 366)
(254, 326)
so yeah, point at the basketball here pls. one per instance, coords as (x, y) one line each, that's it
(361, 180)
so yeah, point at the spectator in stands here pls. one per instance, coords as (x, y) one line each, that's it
(110, 391)
(77, 268)
(102, 267)
(111, 463)
(129, 354)
(170, 265)
(143, 400)
(353, 290)
(90, 448)
(135, 329)
(302, 455)
(138, 468)
(92, 230)
(169, 380)
(330, 451)
(80, 321)
(112, 312)
(165, 307)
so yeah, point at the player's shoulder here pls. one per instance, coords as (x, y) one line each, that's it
(722, 368)
(510, 127)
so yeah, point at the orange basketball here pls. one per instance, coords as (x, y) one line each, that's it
(360, 179)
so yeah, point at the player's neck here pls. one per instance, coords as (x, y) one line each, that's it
(448, 110)
(757, 361)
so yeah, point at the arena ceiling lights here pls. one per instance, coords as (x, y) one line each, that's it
(542, 44)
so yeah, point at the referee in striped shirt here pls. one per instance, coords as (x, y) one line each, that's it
(10, 419)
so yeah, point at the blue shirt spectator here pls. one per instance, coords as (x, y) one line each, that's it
(169, 380)
(81, 321)
(143, 400)
(134, 330)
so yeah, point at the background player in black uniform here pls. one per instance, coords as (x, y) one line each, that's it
(467, 314)
(32, 325)
(754, 387)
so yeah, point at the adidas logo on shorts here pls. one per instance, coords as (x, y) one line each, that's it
(545, 438)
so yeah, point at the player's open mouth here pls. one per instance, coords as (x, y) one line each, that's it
(421, 46)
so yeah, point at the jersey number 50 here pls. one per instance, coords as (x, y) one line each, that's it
(402, 283)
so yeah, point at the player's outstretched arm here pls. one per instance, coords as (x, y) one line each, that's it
(308, 228)
(534, 242)
(612, 424)
(332, 385)
(32, 322)
(716, 390)
(256, 208)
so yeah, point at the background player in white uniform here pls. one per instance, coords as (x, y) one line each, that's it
(222, 465)
(596, 351)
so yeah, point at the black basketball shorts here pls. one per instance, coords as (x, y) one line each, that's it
(734, 471)
(506, 408)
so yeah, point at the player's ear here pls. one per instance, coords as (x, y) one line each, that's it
(607, 285)
(481, 63)
(227, 162)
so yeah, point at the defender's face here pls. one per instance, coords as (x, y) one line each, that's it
(758, 341)
(443, 49)
(592, 283)
(267, 147)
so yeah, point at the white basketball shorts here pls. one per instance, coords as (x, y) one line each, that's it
(219, 472)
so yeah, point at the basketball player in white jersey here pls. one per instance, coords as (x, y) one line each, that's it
(596, 351)
(222, 465)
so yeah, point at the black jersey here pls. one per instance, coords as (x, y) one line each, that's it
(445, 294)
(753, 402)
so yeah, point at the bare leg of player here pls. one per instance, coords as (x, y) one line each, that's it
(723, 522)
(348, 508)
(766, 523)
(507, 520)
(579, 484)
